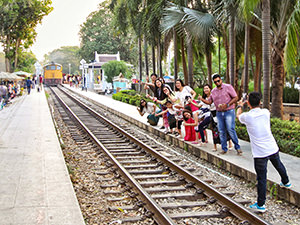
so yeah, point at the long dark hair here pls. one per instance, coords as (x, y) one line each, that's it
(168, 87)
(205, 95)
(182, 84)
(186, 111)
(161, 95)
(141, 106)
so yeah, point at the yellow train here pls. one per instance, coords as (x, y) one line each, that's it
(52, 74)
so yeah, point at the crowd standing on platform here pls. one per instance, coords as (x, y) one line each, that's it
(8, 91)
(215, 109)
(224, 97)
(263, 146)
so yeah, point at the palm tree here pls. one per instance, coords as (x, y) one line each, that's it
(193, 24)
(266, 51)
(285, 27)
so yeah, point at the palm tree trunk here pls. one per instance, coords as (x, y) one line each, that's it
(190, 61)
(159, 66)
(232, 55)
(209, 67)
(184, 61)
(153, 59)
(246, 60)
(175, 54)
(226, 46)
(146, 57)
(219, 56)
(266, 51)
(278, 78)
(140, 63)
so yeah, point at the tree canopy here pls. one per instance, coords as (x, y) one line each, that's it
(98, 34)
(114, 68)
(17, 28)
(65, 55)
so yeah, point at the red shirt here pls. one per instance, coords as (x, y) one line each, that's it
(223, 96)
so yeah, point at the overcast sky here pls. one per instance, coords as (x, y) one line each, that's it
(61, 26)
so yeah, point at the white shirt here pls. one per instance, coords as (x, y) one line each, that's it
(149, 109)
(186, 91)
(258, 126)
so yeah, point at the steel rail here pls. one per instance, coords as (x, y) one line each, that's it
(234, 208)
(159, 214)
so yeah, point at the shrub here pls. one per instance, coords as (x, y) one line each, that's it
(286, 134)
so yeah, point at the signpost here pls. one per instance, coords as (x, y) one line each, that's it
(83, 67)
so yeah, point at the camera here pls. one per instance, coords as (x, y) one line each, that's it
(244, 97)
(186, 99)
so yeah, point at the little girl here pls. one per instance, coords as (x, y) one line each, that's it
(171, 112)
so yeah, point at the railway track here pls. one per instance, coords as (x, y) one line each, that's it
(157, 180)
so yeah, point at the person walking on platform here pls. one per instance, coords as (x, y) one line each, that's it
(263, 146)
(40, 82)
(28, 85)
(224, 97)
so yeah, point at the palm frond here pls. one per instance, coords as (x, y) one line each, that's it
(172, 16)
(293, 37)
(200, 25)
(246, 9)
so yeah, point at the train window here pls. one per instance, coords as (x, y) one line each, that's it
(52, 67)
(47, 67)
(58, 67)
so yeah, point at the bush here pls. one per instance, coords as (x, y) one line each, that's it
(286, 134)
(290, 95)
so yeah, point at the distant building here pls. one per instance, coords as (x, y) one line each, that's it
(95, 70)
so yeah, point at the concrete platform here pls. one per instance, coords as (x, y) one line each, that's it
(35, 187)
(242, 166)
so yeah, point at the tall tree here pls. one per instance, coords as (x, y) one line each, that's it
(266, 51)
(65, 55)
(17, 27)
(285, 27)
(190, 23)
(98, 33)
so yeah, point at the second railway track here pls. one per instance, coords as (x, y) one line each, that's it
(158, 181)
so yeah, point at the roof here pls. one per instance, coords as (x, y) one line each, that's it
(52, 63)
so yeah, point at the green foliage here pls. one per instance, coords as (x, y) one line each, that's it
(130, 97)
(17, 28)
(26, 62)
(98, 33)
(65, 55)
(286, 133)
(290, 95)
(114, 68)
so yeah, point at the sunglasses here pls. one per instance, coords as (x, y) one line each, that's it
(217, 81)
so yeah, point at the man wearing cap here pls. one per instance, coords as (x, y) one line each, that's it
(224, 97)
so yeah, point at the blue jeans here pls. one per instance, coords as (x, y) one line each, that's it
(226, 121)
(260, 165)
(202, 126)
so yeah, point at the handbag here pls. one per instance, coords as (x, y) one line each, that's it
(152, 119)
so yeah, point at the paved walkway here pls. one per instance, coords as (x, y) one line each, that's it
(35, 187)
(246, 161)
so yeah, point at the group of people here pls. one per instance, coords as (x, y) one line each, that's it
(217, 107)
(214, 108)
(73, 80)
(8, 91)
(36, 81)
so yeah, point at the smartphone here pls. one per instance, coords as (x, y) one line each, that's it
(244, 97)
